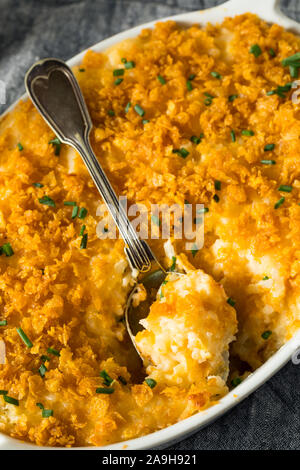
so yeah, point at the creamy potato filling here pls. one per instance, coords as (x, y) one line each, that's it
(188, 331)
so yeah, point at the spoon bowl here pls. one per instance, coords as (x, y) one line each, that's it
(134, 313)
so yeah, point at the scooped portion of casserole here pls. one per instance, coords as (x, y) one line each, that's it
(188, 332)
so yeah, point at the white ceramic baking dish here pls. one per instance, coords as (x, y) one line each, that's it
(269, 11)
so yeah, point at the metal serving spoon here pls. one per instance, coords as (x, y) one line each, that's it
(55, 93)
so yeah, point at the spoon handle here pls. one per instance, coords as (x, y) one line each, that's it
(55, 93)
(138, 252)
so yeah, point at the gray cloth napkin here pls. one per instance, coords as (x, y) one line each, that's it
(32, 29)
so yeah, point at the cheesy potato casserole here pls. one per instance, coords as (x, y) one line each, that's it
(181, 115)
(187, 331)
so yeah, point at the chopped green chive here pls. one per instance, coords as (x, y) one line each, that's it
(235, 382)
(279, 203)
(231, 302)
(3, 392)
(3, 322)
(69, 203)
(173, 265)
(216, 75)
(208, 101)
(266, 334)
(161, 79)
(293, 71)
(82, 230)
(217, 185)
(272, 52)
(118, 81)
(198, 220)
(285, 188)
(292, 60)
(269, 147)
(232, 134)
(38, 185)
(81, 70)
(255, 50)
(75, 212)
(145, 121)
(20, 147)
(232, 98)
(56, 143)
(139, 110)
(12, 401)
(189, 85)
(151, 382)
(265, 278)
(280, 90)
(42, 370)
(155, 219)
(54, 352)
(192, 76)
(111, 112)
(275, 92)
(84, 240)
(82, 213)
(7, 249)
(123, 60)
(127, 107)
(194, 250)
(45, 358)
(182, 152)
(216, 198)
(129, 65)
(268, 162)
(247, 132)
(122, 380)
(40, 405)
(203, 210)
(24, 338)
(196, 140)
(47, 201)
(106, 378)
(47, 413)
(106, 391)
(118, 72)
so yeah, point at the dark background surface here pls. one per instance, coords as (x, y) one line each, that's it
(33, 29)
